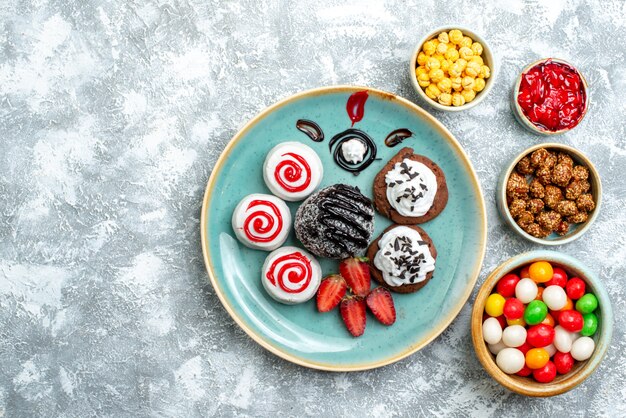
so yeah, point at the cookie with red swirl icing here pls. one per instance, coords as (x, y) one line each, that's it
(292, 171)
(291, 275)
(261, 221)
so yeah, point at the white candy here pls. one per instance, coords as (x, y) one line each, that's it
(514, 335)
(492, 331)
(574, 336)
(551, 349)
(583, 348)
(496, 348)
(510, 360)
(554, 297)
(562, 339)
(526, 290)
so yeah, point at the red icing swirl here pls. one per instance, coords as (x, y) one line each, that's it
(293, 176)
(262, 225)
(291, 272)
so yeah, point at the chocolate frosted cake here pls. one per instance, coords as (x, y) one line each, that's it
(336, 222)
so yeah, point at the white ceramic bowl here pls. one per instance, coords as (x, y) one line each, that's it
(519, 114)
(487, 56)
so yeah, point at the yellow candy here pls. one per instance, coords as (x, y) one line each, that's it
(495, 305)
(442, 48)
(422, 58)
(432, 64)
(472, 69)
(519, 321)
(445, 65)
(477, 48)
(466, 53)
(457, 83)
(462, 62)
(436, 75)
(432, 91)
(485, 72)
(420, 70)
(451, 46)
(445, 99)
(445, 85)
(540, 271)
(443, 38)
(457, 99)
(479, 84)
(468, 95)
(452, 54)
(455, 36)
(477, 59)
(466, 42)
(429, 47)
(439, 57)
(423, 80)
(467, 83)
(455, 70)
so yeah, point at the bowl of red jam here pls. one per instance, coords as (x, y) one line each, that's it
(550, 97)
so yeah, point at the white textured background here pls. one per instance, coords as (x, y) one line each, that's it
(112, 114)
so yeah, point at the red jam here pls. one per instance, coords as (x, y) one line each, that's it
(552, 96)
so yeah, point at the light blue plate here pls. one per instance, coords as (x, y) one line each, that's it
(299, 333)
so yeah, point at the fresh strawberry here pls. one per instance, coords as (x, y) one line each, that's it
(380, 303)
(353, 313)
(331, 291)
(357, 274)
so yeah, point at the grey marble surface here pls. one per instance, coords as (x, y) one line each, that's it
(112, 114)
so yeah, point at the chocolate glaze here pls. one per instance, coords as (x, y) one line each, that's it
(396, 137)
(348, 134)
(311, 129)
(336, 222)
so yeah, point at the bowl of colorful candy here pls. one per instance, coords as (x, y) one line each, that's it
(550, 97)
(452, 68)
(541, 323)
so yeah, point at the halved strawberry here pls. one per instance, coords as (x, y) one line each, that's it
(353, 313)
(381, 304)
(356, 271)
(331, 291)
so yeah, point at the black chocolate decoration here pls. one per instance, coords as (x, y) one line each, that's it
(311, 129)
(348, 134)
(396, 137)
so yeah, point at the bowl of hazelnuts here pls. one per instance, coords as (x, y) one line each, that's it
(550, 194)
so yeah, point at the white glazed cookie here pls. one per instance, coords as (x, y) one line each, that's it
(292, 171)
(261, 221)
(291, 275)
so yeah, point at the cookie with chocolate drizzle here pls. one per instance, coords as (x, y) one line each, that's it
(412, 259)
(336, 222)
(413, 189)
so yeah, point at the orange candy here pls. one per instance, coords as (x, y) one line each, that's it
(539, 293)
(523, 274)
(519, 321)
(540, 271)
(549, 320)
(536, 358)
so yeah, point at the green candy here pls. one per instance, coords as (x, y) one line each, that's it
(535, 312)
(587, 304)
(590, 324)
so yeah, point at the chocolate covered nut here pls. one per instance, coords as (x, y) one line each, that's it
(552, 196)
(578, 218)
(525, 218)
(542, 158)
(563, 158)
(585, 202)
(566, 207)
(563, 228)
(544, 175)
(561, 174)
(516, 187)
(574, 189)
(549, 220)
(536, 230)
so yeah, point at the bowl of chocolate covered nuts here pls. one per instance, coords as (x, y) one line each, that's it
(452, 68)
(550, 194)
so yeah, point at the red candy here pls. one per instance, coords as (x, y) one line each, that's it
(563, 362)
(506, 285)
(571, 320)
(540, 335)
(575, 288)
(513, 309)
(524, 347)
(559, 278)
(546, 374)
(526, 371)
(552, 96)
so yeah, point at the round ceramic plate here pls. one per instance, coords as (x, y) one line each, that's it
(299, 333)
